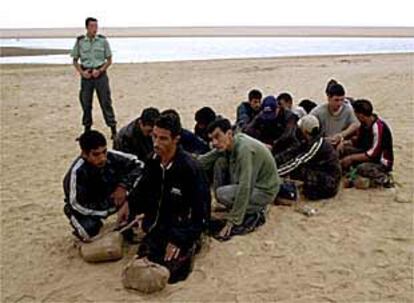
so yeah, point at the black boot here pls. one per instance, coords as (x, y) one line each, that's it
(87, 128)
(113, 132)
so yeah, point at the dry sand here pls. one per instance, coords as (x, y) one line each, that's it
(359, 249)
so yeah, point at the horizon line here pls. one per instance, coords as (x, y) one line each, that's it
(216, 31)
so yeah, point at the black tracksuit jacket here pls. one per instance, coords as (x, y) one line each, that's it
(88, 188)
(175, 199)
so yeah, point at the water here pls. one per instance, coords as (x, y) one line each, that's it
(131, 50)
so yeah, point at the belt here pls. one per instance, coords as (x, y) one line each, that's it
(90, 68)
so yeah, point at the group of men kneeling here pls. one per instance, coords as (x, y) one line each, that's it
(163, 173)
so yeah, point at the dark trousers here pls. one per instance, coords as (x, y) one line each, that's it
(378, 174)
(84, 227)
(318, 184)
(154, 245)
(101, 85)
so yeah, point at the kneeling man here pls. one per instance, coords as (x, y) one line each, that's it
(97, 185)
(371, 151)
(252, 183)
(174, 197)
(315, 162)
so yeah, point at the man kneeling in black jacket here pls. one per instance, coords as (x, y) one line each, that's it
(175, 199)
(97, 185)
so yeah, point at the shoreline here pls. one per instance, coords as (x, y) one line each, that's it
(15, 51)
(324, 56)
(215, 31)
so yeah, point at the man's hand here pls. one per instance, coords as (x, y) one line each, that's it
(335, 140)
(139, 219)
(119, 196)
(172, 252)
(123, 214)
(96, 73)
(86, 74)
(340, 147)
(226, 230)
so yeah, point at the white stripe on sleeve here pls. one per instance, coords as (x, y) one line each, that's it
(73, 198)
(375, 141)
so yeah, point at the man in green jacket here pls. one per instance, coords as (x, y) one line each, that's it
(253, 179)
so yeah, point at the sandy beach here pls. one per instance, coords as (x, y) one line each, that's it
(358, 249)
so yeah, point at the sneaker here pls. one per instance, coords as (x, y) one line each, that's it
(389, 182)
(250, 223)
(288, 194)
(386, 181)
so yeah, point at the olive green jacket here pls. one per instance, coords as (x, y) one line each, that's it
(251, 165)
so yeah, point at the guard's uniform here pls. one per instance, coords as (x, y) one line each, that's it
(93, 53)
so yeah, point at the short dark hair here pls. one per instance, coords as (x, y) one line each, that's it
(329, 84)
(363, 106)
(255, 94)
(335, 89)
(171, 111)
(284, 96)
(223, 124)
(205, 115)
(307, 105)
(149, 115)
(91, 139)
(170, 120)
(90, 19)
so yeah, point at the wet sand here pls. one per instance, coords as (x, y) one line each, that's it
(6, 51)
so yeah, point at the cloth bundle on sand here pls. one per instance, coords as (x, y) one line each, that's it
(145, 276)
(106, 248)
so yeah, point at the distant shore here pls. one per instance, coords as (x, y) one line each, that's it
(344, 58)
(24, 51)
(227, 31)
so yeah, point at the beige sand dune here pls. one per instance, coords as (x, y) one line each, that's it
(358, 249)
